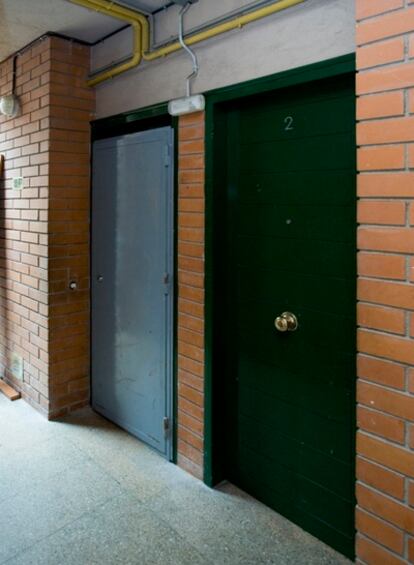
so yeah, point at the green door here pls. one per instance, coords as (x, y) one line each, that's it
(290, 246)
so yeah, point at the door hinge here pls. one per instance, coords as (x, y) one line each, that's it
(166, 279)
(166, 425)
(167, 155)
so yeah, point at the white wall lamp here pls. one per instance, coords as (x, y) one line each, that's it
(9, 104)
(187, 105)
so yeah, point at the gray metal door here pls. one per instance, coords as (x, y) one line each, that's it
(132, 268)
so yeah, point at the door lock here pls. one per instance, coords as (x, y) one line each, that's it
(286, 322)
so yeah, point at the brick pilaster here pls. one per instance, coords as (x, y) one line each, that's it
(191, 293)
(44, 227)
(385, 132)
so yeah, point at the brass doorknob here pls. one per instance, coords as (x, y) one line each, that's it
(286, 322)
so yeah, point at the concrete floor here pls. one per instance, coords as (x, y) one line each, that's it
(84, 492)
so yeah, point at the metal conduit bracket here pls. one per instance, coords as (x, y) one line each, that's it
(193, 56)
(140, 25)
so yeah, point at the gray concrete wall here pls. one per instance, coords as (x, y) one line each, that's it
(307, 33)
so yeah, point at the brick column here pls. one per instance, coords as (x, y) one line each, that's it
(385, 135)
(71, 106)
(191, 293)
(44, 227)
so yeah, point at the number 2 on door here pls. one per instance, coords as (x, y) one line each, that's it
(288, 123)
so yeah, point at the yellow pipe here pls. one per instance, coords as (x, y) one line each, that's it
(222, 28)
(134, 61)
(140, 27)
(141, 32)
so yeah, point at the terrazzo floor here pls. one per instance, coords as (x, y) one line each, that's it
(83, 492)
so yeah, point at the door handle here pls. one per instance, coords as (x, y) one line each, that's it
(99, 278)
(286, 322)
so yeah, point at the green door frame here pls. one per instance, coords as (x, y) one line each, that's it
(130, 122)
(214, 151)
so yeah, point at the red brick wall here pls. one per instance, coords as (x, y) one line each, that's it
(191, 293)
(42, 242)
(71, 109)
(385, 134)
(23, 244)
